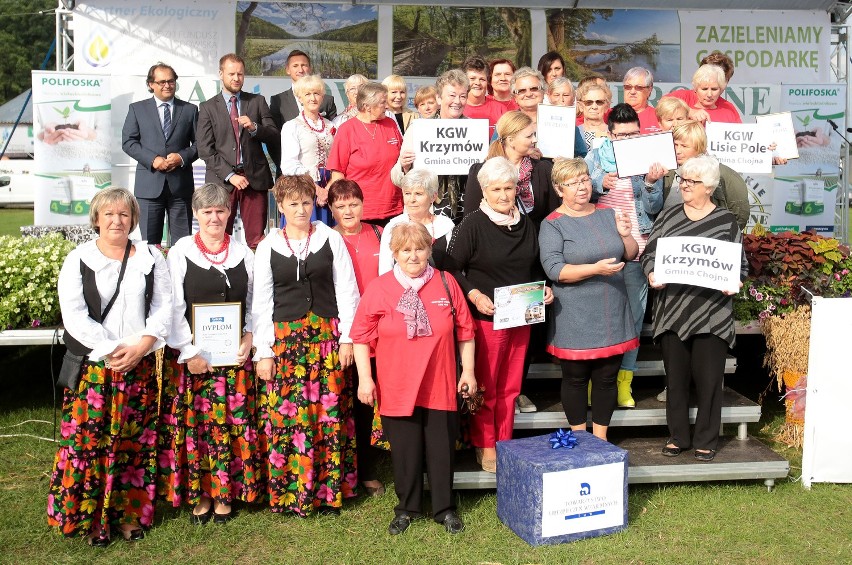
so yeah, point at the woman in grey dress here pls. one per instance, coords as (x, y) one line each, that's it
(583, 250)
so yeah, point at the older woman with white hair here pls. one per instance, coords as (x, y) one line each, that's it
(306, 142)
(350, 87)
(495, 246)
(419, 194)
(365, 149)
(704, 100)
(560, 92)
(693, 324)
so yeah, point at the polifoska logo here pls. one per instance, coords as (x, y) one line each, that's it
(97, 51)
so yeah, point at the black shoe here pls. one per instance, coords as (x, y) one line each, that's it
(399, 524)
(222, 518)
(672, 451)
(452, 523)
(99, 541)
(200, 519)
(137, 534)
(705, 454)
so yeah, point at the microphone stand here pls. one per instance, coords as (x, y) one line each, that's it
(845, 191)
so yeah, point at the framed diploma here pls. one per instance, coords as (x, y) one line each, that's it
(518, 305)
(217, 330)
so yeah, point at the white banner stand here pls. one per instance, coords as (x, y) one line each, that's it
(827, 454)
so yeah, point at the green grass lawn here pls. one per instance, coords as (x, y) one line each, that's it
(11, 219)
(723, 522)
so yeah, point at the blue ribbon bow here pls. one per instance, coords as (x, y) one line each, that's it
(561, 438)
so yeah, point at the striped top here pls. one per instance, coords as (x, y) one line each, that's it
(692, 310)
(621, 198)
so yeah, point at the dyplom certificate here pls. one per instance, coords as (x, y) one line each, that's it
(698, 261)
(518, 305)
(216, 330)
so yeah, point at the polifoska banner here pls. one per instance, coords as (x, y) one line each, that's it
(766, 46)
(128, 36)
(71, 123)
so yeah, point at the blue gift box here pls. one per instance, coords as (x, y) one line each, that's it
(550, 496)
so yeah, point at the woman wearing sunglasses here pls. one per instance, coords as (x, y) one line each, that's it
(595, 101)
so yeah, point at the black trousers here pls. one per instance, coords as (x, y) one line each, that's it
(700, 358)
(575, 389)
(367, 454)
(152, 213)
(428, 435)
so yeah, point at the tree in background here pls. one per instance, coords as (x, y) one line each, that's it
(25, 36)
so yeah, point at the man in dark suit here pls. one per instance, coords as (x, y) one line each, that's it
(240, 167)
(284, 106)
(159, 133)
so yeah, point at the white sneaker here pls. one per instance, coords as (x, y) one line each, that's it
(524, 404)
(663, 395)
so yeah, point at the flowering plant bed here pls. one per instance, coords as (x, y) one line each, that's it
(29, 269)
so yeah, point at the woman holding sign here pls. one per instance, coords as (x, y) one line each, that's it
(583, 251)
(694, 325)
(208, 452)
(495, 246)
(305, 295)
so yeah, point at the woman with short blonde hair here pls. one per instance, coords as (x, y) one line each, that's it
(398, 101)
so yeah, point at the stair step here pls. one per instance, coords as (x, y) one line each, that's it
(736, 459)
(645, 367)
(736, 409)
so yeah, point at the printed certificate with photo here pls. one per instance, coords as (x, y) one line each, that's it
(518, 305)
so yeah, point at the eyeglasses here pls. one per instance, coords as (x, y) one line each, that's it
(532, 90)
(162, 83)
(595, 102)
(575, 184)
(632, 87)
(626, 134)
(689, 183)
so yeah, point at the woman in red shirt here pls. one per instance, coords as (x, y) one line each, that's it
(411, 315)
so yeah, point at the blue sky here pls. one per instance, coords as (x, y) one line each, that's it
(627, 26)
(331, 16)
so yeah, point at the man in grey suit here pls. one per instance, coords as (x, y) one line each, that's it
(232, 128)
(284, 106)
(159, 133)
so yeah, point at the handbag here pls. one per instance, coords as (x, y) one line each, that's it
(474, 399)
(75, 354)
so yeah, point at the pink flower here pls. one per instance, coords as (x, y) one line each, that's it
(219, 386)
(35, 323)
(134, 476)
(752, 291)
(236, 465)
(759, 296)
(235, 401)
(148, 437)
(844, 272)
(147, 513)
(167, 459)
(276, 459)
(190, 443)
(299, 441)
(68, 429)
(328, 400)
(325, 493)
(837, 276)
(201, 404)
(223, 477)
(311, 391)
(763, 315)
(288, 408)
(250, 435)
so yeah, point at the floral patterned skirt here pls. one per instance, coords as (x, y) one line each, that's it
(208, 435)
(105, 468)
(307, 432)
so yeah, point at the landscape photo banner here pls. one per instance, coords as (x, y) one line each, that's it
(128, 36)
(766, 46)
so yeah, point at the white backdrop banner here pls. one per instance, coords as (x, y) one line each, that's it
(128, 36)
(766, 46)
(71, 121)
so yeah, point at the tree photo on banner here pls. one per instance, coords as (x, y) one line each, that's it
(428, 40)
(340, 39)
(610, 42)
